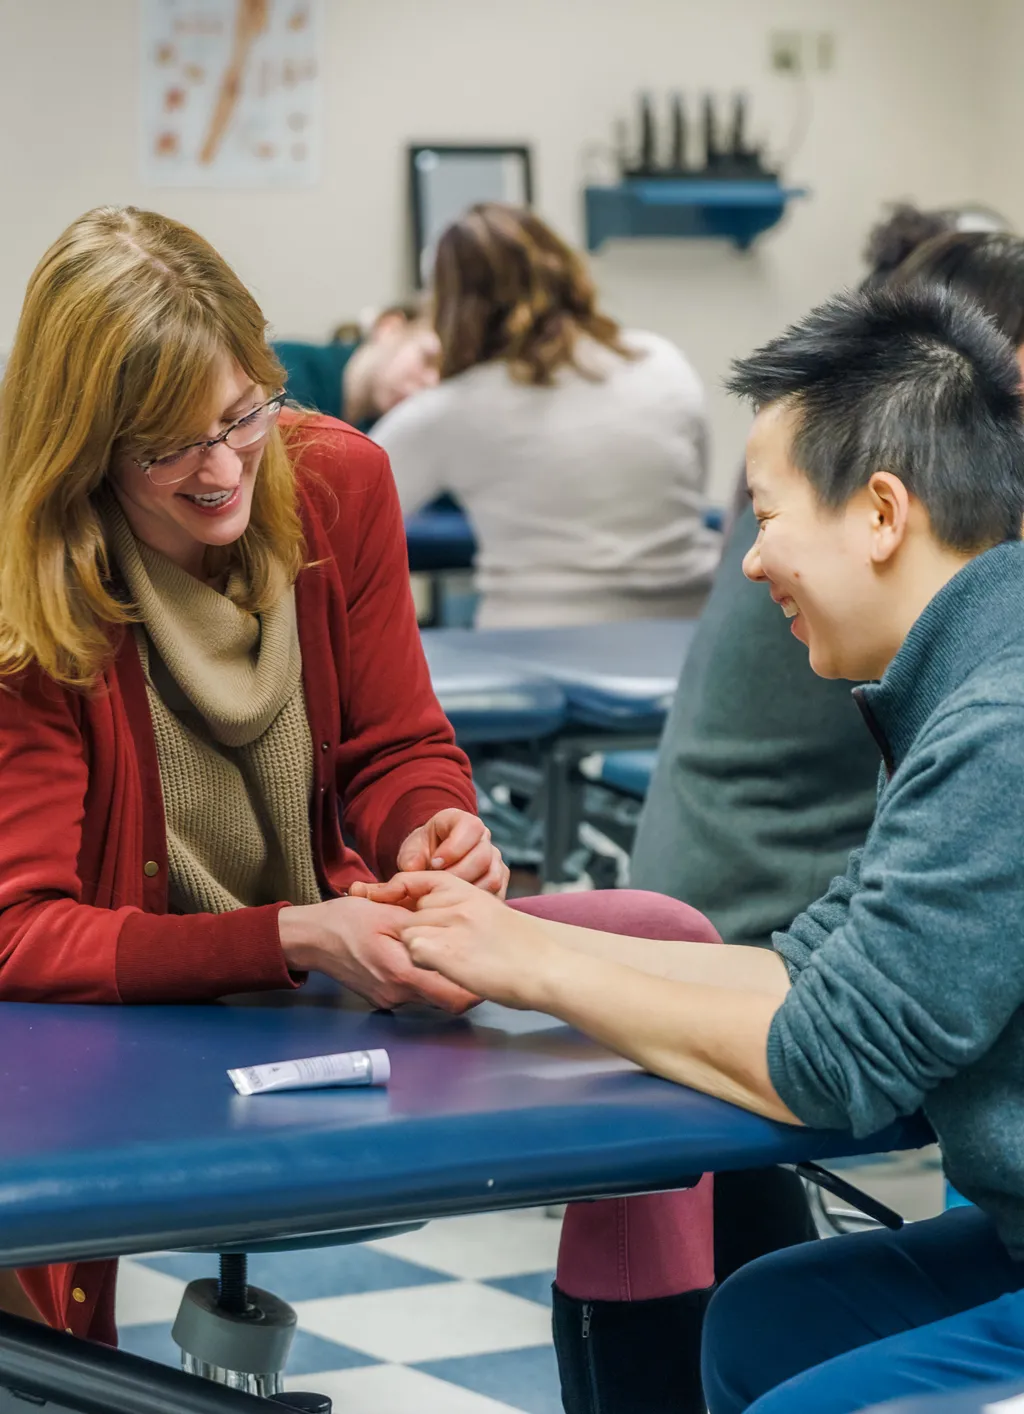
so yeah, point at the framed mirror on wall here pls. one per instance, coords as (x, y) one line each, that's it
(445, 179)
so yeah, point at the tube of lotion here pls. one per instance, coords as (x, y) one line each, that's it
(314, 1073)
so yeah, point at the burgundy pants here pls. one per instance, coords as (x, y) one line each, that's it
(634, 1249)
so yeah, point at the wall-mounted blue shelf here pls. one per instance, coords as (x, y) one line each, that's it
(738, 211)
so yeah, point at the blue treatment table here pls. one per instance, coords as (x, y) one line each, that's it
(121, 1134)
(976, 1399)
(619, 680)
(439, 538)
(628, 771)
(488, 699)
(616, 677)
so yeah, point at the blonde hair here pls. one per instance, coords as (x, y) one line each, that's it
(507, 287)
(124, 321)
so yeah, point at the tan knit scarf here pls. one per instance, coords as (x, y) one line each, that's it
(232, 738)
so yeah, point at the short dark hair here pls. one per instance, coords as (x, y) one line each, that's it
(987, 266)
(915, 381)
(893, 239)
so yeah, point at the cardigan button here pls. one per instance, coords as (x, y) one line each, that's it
(68, 1330)
(325, 746)
(150, 868)
(78, 1295)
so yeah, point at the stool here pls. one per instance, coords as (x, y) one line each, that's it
(240, 1336)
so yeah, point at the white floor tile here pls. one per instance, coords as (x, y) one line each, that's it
(390, 1389)
(144, 1295)
(483, 1246)
(428, 1322)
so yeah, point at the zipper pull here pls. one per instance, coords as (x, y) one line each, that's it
(588, 1312)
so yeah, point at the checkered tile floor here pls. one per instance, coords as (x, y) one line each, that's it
(453, 1319)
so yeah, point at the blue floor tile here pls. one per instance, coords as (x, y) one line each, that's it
(307, 1275)
(310, 1354)
(152, 1342)
(526, 1379)
(531, 1286)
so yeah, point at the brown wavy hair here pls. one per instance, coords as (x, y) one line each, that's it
(507, 287)
(124, 321)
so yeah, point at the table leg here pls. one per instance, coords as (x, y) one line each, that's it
(562, 789)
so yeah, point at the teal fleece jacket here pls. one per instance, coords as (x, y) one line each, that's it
(908, 975)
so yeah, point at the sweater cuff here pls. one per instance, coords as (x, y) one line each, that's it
(408, 813)
(199, 957)
(809, 1105)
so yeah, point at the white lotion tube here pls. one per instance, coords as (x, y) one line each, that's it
(314, 1073)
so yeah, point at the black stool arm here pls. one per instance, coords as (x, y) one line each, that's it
(856, 1197)
(96, 1379)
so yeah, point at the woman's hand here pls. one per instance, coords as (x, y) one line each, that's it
(460, 844)
(473, 939)
(358, 943)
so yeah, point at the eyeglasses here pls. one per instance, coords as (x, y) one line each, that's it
(244, 432)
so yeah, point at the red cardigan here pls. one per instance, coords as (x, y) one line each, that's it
(83, 853)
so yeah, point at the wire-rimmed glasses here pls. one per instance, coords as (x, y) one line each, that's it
(244, 432)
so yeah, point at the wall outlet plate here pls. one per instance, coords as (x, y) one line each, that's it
(824, 51)
(786, 52)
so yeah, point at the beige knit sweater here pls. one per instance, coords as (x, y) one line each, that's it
(232, 739)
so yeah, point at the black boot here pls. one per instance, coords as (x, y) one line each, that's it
(630, 1357)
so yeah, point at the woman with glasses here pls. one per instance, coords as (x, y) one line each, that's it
(208, 653)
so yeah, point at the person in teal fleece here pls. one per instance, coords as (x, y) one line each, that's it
(886, 470)
(359, 378)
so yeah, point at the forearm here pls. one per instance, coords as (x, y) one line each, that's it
(713, 1038)
(736, 968)
(59, 950)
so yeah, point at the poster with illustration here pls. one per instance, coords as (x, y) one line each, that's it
(231, 92)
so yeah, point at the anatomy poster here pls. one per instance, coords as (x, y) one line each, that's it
(230, 92)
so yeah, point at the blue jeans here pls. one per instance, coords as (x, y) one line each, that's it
(837, 1326)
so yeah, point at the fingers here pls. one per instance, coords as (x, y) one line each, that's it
(440, 992)
(458, 833)
(476, 865)
(391, 892)
(416, 849)
(410, 984)
(430, 949)
(406, 887)
(430, 985)
(414, 855)
(496, 879)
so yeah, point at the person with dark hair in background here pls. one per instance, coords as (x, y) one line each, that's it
(577, 449)
(906, 229)
(902, 231)
(359, 376)
(988, 267)
(886, 470)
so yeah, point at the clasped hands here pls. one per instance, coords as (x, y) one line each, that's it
(384, 940)
(456, 935)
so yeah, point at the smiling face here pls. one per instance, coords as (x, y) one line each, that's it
(821, 565)
(211, 507)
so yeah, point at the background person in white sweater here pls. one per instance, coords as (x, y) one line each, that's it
(578, 450)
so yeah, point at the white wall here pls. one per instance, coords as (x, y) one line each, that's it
(1001, 110)
(900, 115)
